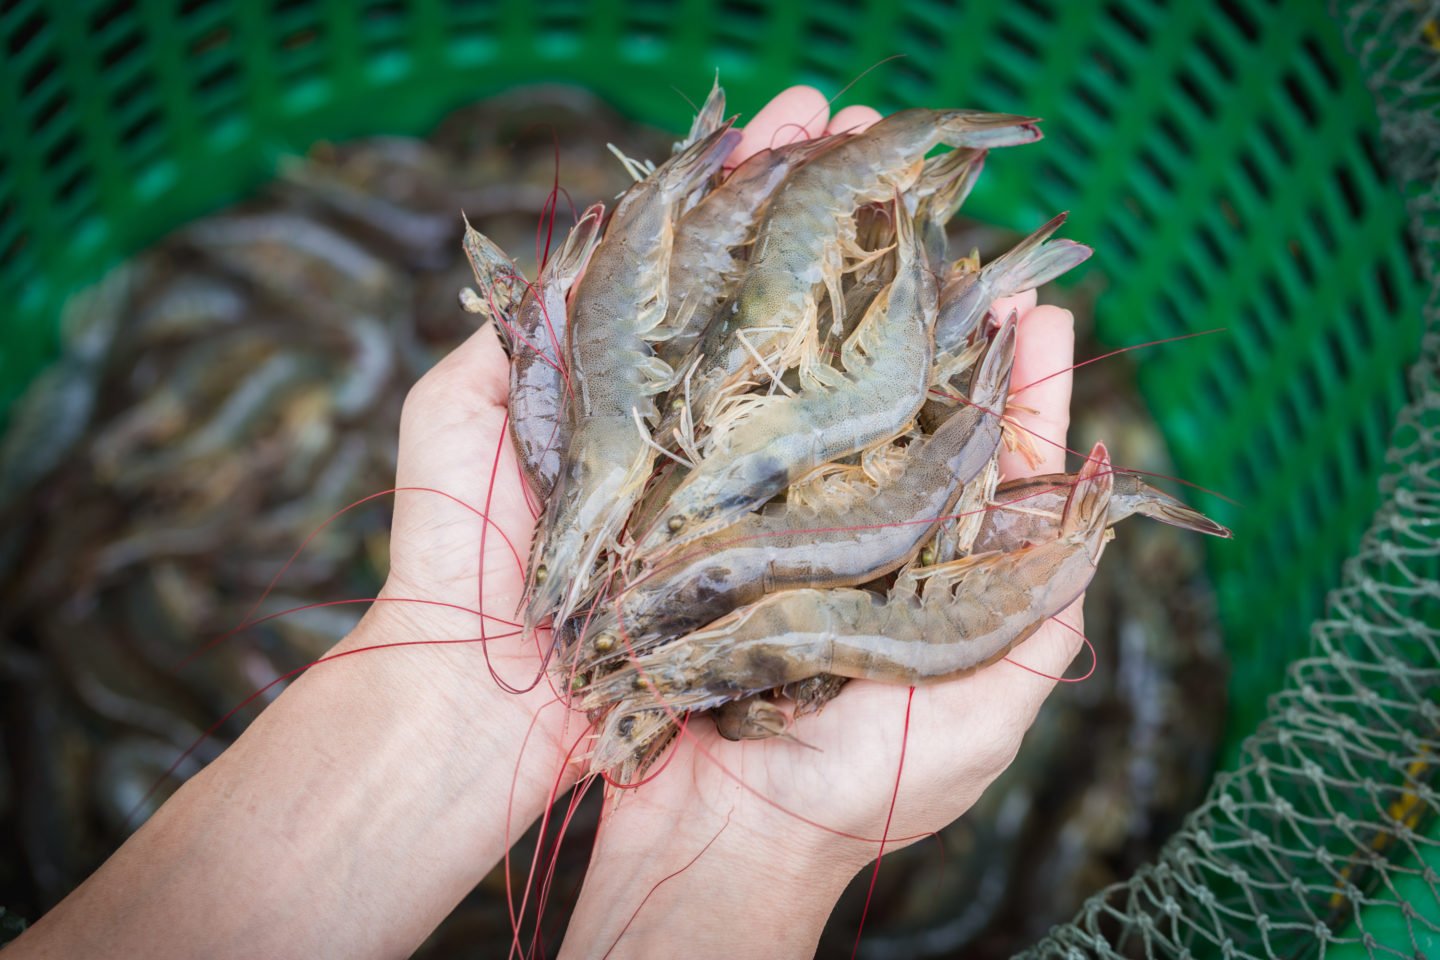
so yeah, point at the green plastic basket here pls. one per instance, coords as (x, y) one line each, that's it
(1220, 156)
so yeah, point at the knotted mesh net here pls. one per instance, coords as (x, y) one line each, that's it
(1324, 840)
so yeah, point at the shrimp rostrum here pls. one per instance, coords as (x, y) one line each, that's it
(764, 416)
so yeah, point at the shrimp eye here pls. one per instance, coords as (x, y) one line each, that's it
(605, 642)
(625, 725)
(578, 682)
(541, 572)
(675, 523)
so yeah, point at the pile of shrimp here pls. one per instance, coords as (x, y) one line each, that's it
(764, 413)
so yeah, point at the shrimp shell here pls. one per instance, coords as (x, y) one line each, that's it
(1029, 511)
(537, 365)
(807, 230)
(838, 542)
(775, 440)
(616, 307)
(968, 613)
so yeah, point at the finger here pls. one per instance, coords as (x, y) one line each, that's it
(799, 113)
(1044, 354)
(1043, 656)
(1021, 303)
(852, 120)
(474, 374)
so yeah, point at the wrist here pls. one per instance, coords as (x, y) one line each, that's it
(714, 887)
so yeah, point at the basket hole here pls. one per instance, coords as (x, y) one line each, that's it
(921, 38)
(1308, 396)
(908, 73)
(120, 50)
(216, 39)
(1322, 63)
(1017, 40)
(139, 129)
(1214, 252)
(1301, 261)
(1166, 125)
(1278, 305)
(1300, 97)
(188, 8)
(1057, 175)
(1276, 141)
(1349, 192)
(1091, 99)
(1228, 211)
(50, 108)
(1381, 420)
(216, 80)
(826, 34)
(62, 149)
(109, 14)
(39, 73)
(1255, 322)
(71, 185)
(1339, 355)
(1241, 18)
(1110, 67)
(1116, 240)
(743, 17)
(1125, 19)
(1205, 43)
(386, 16)
(1001, 82)
(12, 251)
(1370, 150)
(1324, 235)
(1195, 92)
(1150, 163)
(1252, 173)
(1190, 282)
(1292, 427)
(26, 32)
(1361, 328)
(1389, 296)
(130, 91)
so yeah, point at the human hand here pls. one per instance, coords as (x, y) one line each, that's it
(784, 825)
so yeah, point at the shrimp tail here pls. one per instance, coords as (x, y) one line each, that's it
(944, 185)
(697, 162)
(1158, 505)
(970, 128)
(993, 378)
(580, 243)
(709, 118)
(1037, 260)
(946, 181)
(1088, 506)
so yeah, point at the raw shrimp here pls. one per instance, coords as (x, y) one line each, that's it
(840, 541)
(1032, 262)
(966, 614)
(770, 321)
(703, 262)
(617, 305)
(1029, 511)
(537, 367)
(499, 280)
(751, 718)
(766, 443)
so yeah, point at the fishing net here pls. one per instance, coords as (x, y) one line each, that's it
(1323, 840)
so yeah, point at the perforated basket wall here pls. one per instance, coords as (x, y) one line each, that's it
(1223, 158)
